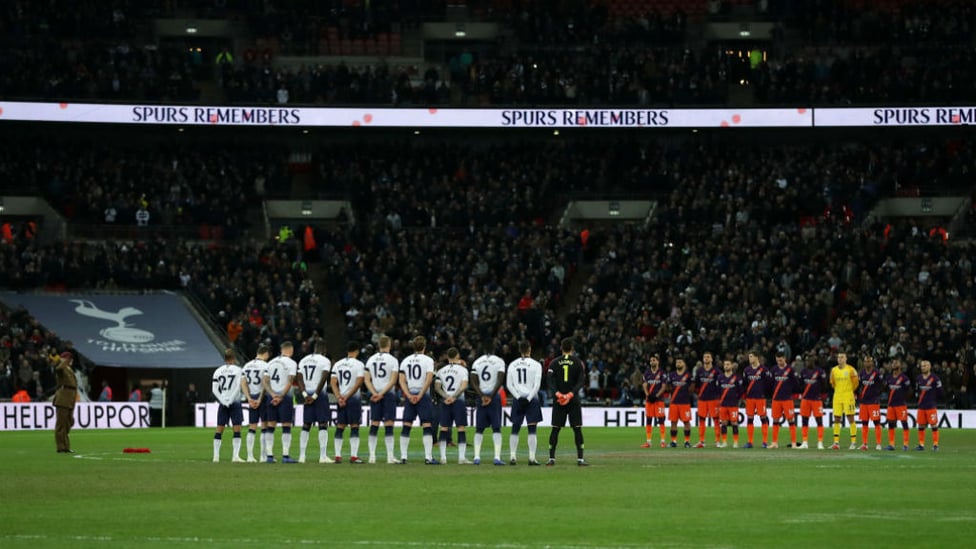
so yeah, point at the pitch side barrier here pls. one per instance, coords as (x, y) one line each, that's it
(206, 416)
(32, 416)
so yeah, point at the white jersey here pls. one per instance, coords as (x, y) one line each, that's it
(347, 372)
(524, 378)
(488, 368)
(281, 372)
(227, 384)
(452, 377)
(313, 368)
(382, 368)
(254, 372)
(415, 368)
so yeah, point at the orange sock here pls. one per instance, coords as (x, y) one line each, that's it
(921, 437)
(750, 429)
(717, 430)
(735, 437)
(701, 429)
(935, 437)
(891, 437)
(877, 435)
(864, 433)
(806, 432)
(648, 430)
(775, 433)
(662, 433)
(820, 430)
(765, 432)
(904, 437)
(793, 435)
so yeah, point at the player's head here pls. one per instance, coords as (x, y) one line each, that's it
(263, 351)
(320, 347)
(229, 356)
(524, 347)
(896, 365)
(841, 359)
(419, 344)
(385, 343)
(655, 361)
(352, 348)
(728, 366)
(287, 349)
(567, 345)
(707, 359)
(453, 355)
(679, 364)
(781, 359)
(868, 362)
(753, 359)
(925, 367)
(66, 358)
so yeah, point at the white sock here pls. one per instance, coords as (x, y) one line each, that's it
(323, 442)
(269, 444)
(302, 443)
(338, 445)
(462, 451)
(388, 441)
(429, 446)
(216, 448)
(496, 439)
(443, 446)
(236, 445)
(285, 444)
(250, 445)
(354, 446)
(404, 445)
(477, 445)
(533, 442)
(371, 444)
(513, 441)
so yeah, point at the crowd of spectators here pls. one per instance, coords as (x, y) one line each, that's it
(256, 291)
(62, 50)
(178, 182)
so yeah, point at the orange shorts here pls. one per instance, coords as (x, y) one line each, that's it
(869, 412)
(783, 409)
(928, 417)
(729, 413)
(680, 412)
(654, 409)
(811, 408)
(708, 408)
(755, 406)
(897, 413)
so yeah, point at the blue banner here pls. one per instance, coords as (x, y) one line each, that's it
(130, 331)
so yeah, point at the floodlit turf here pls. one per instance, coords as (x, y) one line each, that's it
(629, 497)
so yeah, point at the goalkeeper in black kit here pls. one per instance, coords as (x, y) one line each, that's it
(566, 374)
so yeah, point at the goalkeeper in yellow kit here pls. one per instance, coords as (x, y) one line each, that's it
(844, 379)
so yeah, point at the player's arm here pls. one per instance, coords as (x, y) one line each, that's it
(356, 386)
(473, 381)
(855, 380)
(394, 377)
(427, 381)
(368, 380)
(334, 383)
(461, 389)
(402, 376)
(439, 389)
(832, 383)
(499, 383)
(215, 387)
(323, 380)
(535, 383)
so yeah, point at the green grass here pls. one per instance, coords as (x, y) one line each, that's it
(630, 497)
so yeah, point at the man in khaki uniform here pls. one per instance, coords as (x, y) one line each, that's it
(64, 402)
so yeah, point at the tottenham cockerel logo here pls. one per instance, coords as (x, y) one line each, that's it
(122, 332)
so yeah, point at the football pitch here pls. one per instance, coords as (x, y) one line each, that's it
(629, 497)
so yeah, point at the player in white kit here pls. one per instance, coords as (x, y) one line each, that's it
(382, 371)
(488, 377)
(252, 383)
(227, 390)
(523, 379)
(416, 375)
(347, 379)
(450, 382)
(313, 374)
(281, 403)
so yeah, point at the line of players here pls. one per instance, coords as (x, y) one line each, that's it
(720, 394)
(266, 386)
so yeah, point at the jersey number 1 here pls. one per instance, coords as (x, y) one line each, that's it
(566, 372)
